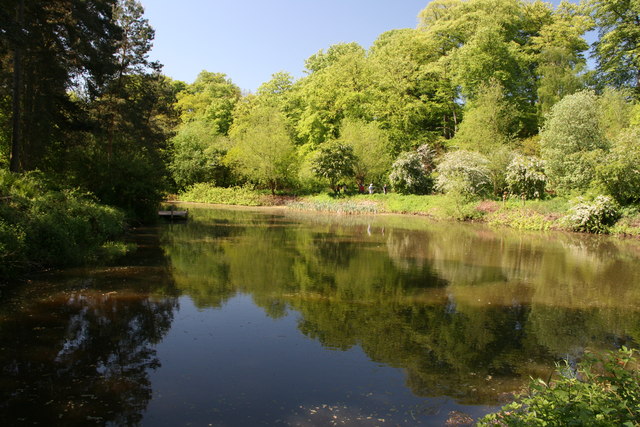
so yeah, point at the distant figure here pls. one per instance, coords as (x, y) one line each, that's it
(384, 188)
(371, 188)
(361, 188)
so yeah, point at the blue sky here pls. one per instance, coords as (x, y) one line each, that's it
(249, 40)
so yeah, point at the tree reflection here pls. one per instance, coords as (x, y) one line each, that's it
(466, 311)
(82, 357)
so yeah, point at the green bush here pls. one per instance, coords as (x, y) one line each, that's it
(209, 193)
(593, 217)
(602, 391)
(41, 226)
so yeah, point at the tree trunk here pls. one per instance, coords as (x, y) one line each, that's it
(15, 164)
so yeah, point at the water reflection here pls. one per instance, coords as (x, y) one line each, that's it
(242, 317)
(77, 348)
(467, 312)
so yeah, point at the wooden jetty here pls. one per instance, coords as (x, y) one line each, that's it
(174, 215)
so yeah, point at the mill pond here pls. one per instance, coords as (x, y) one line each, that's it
(244, 317)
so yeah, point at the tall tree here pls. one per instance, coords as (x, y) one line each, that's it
(617, 49)
(212, 97)
(262, 149)
(51, 47)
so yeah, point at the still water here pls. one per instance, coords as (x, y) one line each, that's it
(270, 317)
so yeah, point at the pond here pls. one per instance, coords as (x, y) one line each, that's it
(244, 317)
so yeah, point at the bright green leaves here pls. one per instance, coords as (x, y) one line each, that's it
(618, 47)
(262, 150)
(334, 161)
(212, 97)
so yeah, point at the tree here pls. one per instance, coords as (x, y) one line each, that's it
(489, 122)
(558, 50)
(572, 141)
(619, 173)
(370, 147)
(413, 98)
(337, 88)
(617, 49)
(211, 97)
(50, 47)
(197, 155)
(334, 161)
(262, 149)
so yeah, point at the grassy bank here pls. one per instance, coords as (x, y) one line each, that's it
(42, 226)
(555, 213)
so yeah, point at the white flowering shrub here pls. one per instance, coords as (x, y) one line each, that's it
(408, 175)
(464, 172)
(525, 175)
(593, 217)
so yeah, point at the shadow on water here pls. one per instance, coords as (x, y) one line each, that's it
(78, 345)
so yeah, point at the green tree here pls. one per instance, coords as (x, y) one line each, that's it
(262, 149)
(572, 141)
(338, 88)
(558, 50)
(197, 155)
(370, 147)
(619, 173)
(47, 48)
(211, 97)
(334, 161)
(525, 176)
(617, 48)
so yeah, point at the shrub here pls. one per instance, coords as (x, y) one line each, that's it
(41, 226)
(602, 391)
(593, 217)
(408, 174)
(209, 193)
(525, 175)
(465, 173)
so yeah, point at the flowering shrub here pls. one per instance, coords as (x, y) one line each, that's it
(525, 175)
(593, 217)
(408, 175)
(464, 172)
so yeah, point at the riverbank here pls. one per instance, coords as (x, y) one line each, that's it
(555, 213)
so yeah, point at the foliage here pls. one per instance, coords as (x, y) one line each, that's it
(212, 98)
(71, 227)
(619, 174)
(593, 217)
(370, 147)
(408, 175)
(465, 173)
(334, 161)
(617, 48)
(602, 390)
(197, 153)
(208, 193)
(572, 141)
(262, 149)
(489, 121)
(525, 175)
